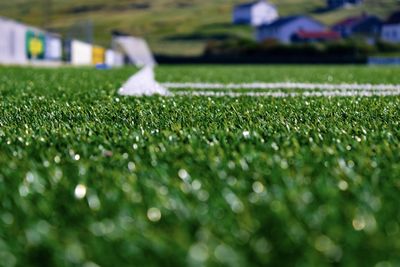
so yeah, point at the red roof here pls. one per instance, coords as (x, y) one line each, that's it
(318, 34)
(350, 21)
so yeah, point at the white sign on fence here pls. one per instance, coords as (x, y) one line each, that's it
(114, 58)
(53, 47)
(12, 42)
(81, 53)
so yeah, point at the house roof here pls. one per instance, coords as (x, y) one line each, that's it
(394, 18)
(348, 22)
(318, 34)
(285, 20)
(353, 21)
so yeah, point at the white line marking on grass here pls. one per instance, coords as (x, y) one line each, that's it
(364, 93)
(288, 85)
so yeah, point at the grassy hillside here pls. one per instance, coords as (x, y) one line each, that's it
(171, 26)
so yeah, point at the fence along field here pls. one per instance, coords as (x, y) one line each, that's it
(91, 178)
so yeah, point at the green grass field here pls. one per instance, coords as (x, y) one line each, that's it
(89, 178)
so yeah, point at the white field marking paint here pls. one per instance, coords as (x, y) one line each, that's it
(143, 83)
(364, 93)
(288, 85)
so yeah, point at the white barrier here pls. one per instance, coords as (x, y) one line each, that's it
(118, 59)
(81, 53)
(12, 42)
(53, 47)
(25, 45)
(114, 58)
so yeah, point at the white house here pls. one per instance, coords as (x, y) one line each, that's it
(391, 29)
(285, 29)
(255, 13)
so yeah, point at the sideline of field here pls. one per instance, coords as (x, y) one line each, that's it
(307, 89)
(288, 85)
(283, 94)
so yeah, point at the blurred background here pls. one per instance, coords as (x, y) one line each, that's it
(226, 29)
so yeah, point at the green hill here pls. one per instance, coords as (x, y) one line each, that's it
(170, 26)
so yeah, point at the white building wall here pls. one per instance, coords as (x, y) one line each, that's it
(263, 13)
(391, 33)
